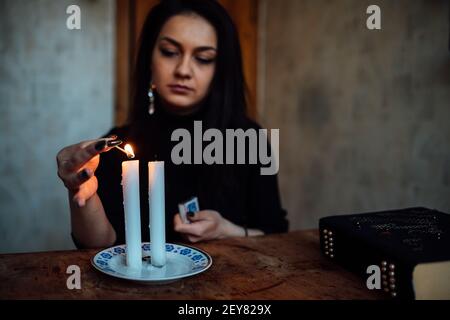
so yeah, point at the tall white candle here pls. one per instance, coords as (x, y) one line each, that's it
(131, 204)
(157, 213)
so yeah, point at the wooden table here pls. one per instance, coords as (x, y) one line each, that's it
(287, 266)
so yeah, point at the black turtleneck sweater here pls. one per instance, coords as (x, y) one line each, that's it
(238, 192)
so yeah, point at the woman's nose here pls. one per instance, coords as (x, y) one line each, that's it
(183, 69)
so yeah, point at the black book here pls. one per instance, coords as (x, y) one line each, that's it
(409, 247)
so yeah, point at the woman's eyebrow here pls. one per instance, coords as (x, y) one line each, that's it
(177, 44)
(205, 48)
(172, 41)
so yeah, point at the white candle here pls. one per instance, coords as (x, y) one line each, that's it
(131, 204)
(157, 213)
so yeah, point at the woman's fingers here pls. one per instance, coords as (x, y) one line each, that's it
(194, 239)
(86, 154)
(191, 239)
(74, 157)
(177, 221)
(85, 192)
(199, 216)
(75, 180)
(82, 154)
(77, 165)
(194, 229)
(205, 225)
(179, 225)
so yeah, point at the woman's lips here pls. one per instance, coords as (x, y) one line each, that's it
(179, 89)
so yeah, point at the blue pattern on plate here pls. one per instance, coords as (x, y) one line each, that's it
(197, 257)
(200, 260)
(119, 250)
(185, 252)
(106, 255)
(101, 262)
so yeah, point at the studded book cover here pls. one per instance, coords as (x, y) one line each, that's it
(410, 247)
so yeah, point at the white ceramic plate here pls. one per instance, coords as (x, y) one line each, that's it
(182, 262)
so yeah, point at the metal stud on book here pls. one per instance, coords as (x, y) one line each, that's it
(331, 240)
(328, 243)
(409, 245)
(388, 276)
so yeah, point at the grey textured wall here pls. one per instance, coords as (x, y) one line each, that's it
(364, 115)
(56, 88)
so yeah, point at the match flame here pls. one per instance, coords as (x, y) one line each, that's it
(130, 152)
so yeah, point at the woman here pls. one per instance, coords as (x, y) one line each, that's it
(188, 69)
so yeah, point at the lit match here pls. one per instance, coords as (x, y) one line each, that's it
(128, 150)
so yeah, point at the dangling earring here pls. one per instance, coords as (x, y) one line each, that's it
(151, 100)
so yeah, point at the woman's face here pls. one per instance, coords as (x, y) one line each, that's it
(183, 61)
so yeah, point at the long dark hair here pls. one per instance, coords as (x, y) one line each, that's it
(225, 104)
(226, 101)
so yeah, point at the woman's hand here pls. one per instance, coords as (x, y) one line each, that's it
(77, 165)
(207, 225)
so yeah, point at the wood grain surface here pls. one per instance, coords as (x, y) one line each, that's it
(285, 266)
